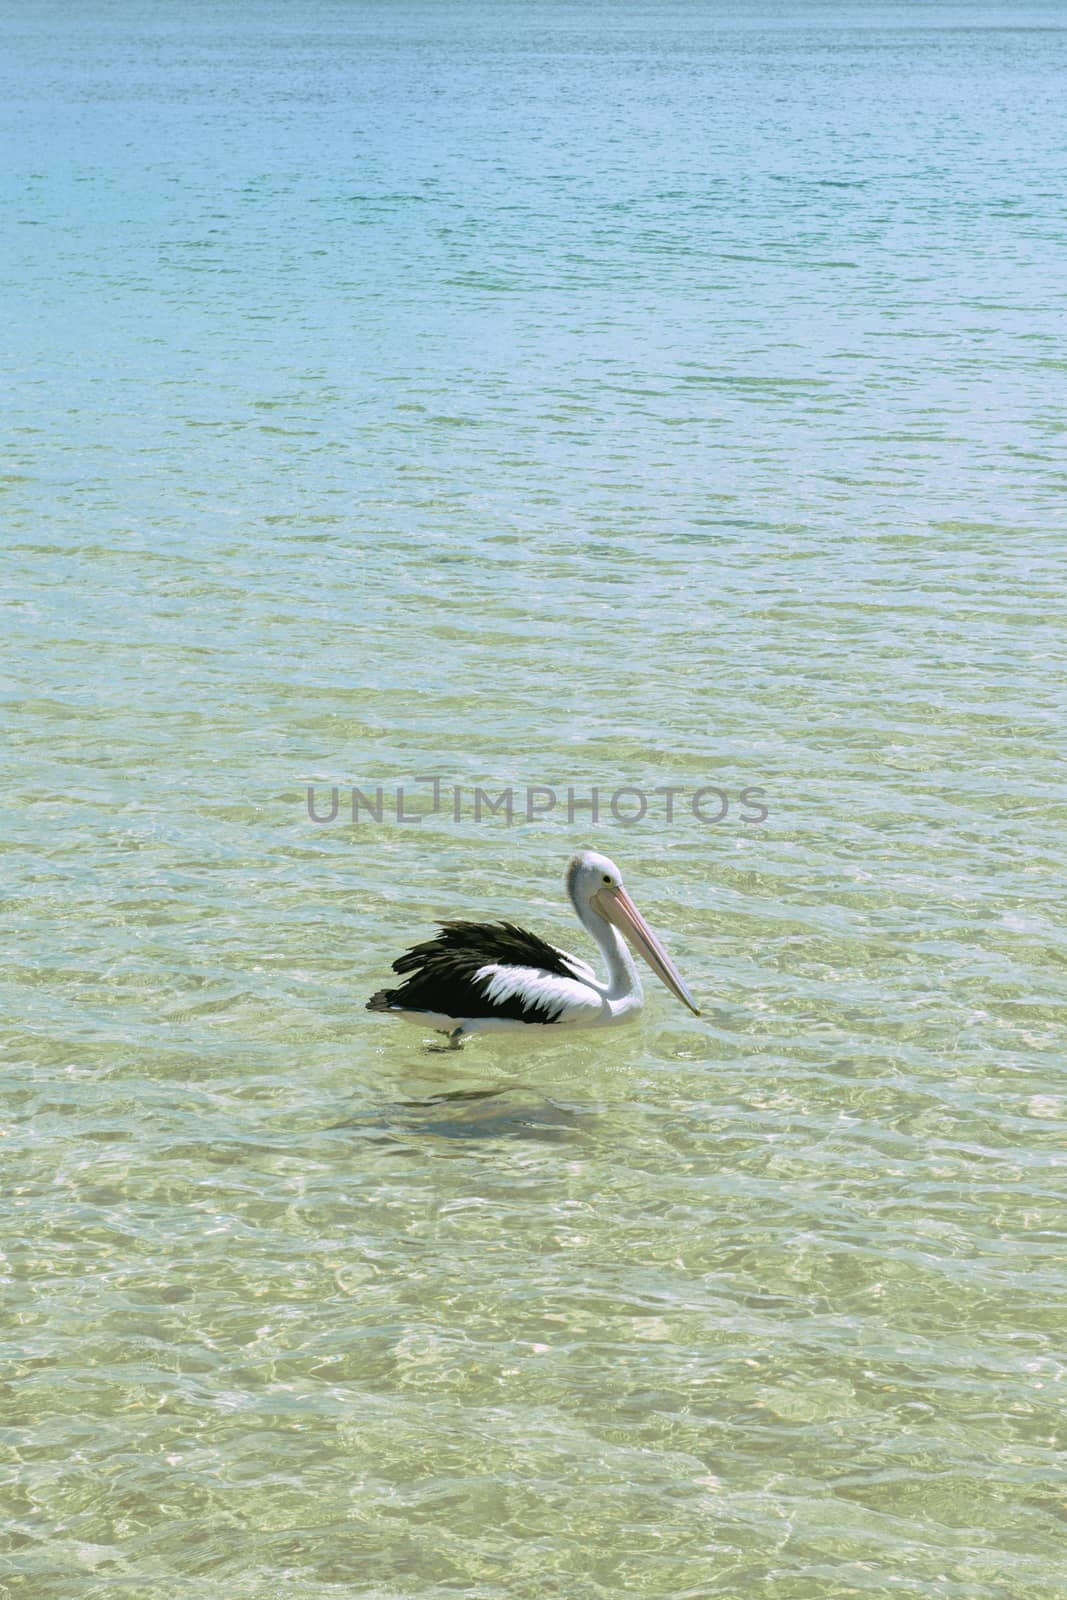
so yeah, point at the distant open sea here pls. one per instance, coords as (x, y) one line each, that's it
(566, 394)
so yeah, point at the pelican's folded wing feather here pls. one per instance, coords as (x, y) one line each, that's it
(490, 969)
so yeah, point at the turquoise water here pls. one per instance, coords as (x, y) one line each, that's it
(533, 395)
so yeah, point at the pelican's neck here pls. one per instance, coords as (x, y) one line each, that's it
(623, 981)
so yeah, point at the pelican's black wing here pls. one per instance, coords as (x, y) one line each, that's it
(441, 973)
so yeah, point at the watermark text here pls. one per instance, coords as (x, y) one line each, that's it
(625, 805)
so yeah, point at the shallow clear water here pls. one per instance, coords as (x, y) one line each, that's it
(534, 395)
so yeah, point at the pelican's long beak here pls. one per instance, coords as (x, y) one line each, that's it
(615, 904)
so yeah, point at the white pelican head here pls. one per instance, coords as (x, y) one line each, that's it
(595, 886)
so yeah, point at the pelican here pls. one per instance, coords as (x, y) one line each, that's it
(488, 977)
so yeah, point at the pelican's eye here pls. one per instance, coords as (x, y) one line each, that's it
(607, 878)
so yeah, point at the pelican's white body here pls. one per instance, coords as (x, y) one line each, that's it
(578, 1002)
